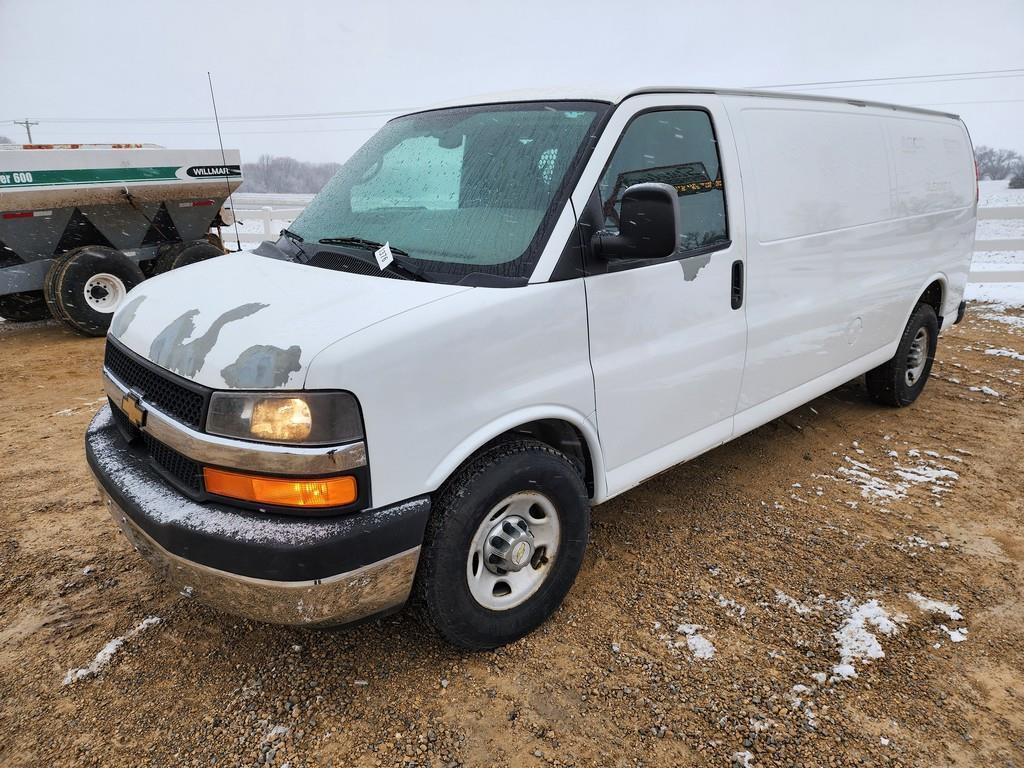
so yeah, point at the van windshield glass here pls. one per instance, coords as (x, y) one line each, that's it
(460, 191)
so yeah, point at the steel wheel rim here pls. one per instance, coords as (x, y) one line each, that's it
(499, 590)
(104, 292)
(917, 357)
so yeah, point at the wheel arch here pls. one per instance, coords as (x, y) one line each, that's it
(560, 427)
(932, 292)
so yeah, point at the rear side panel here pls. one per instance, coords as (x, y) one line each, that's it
(852, 212)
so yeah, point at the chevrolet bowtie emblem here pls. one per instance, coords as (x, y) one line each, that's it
(131, 404)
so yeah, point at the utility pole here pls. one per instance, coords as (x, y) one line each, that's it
(28, 126)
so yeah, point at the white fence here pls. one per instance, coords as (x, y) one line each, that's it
(1003, 213)
(263, 215)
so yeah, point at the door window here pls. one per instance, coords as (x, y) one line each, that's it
(675, 147)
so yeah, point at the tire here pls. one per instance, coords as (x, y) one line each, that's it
(899, 381)
(184, 254)
(24, 307)
(519, 479)
(85, 286)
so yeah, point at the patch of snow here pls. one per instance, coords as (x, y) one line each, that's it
(985, 390)
(742, 759)
(1006, 294)
(729, 604)
(854, 637)
(802, 609)
(107, 652)
(1012, 354)
(1015, 320)
(699, 646)
(956, 635)
(927, 605)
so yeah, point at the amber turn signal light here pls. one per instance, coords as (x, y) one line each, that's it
(282, 491)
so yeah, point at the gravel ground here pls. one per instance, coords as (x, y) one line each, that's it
(842, 586)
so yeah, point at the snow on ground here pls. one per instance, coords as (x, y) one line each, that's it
(1010, 353)
(885, 485)
(802, 609)
(107, 652)
(1006, 294)
(994, 194)
(699, 646)
(856, 640)
(927, 605)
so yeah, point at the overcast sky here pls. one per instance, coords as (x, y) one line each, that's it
(113, 59)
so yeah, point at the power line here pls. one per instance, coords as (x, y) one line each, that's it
(915, 82)
(953, 103)
(942, 77)
(227, 119)
(896, 77)
(228, 133)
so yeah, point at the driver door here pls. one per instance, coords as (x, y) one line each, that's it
(667, 335)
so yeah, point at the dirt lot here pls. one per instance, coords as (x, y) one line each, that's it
(792, 552)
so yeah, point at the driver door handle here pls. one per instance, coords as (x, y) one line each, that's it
(737, 284)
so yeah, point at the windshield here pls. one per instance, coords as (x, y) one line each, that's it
(460, 191)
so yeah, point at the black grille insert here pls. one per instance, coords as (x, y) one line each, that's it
(165, 394)
(186, 473)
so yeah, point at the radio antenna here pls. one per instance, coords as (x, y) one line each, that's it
(224, 162)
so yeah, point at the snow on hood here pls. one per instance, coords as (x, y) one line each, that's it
(243, 321)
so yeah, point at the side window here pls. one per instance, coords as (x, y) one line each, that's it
(675, 147)
(417, 173)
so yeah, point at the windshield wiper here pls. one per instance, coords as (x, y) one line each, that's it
(397, 265)
(295, 239)
(360, 242)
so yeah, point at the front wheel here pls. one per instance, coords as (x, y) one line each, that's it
(504, 544)
(899, 381)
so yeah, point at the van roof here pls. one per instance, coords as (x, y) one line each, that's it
(615, 96)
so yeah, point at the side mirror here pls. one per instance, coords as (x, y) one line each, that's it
(648, 225)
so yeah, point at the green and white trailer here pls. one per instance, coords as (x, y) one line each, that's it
(82, 224)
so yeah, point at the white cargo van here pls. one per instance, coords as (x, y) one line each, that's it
(499, 314)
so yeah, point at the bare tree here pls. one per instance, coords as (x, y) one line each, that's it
(998, 163)
(5, 140)
(286, 174)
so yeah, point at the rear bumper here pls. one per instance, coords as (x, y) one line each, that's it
(273, 568)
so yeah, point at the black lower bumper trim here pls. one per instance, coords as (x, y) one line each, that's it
(243, 542)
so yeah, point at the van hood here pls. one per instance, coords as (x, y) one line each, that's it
(243, 321)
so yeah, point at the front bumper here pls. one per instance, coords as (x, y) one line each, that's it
(273, 568)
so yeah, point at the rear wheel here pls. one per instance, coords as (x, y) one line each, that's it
(85, 286)
(899, 381)
(24, 307)
(504, 544)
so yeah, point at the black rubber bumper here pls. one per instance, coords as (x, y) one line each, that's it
(263, 546)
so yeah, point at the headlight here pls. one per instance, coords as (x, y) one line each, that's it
(303, 418)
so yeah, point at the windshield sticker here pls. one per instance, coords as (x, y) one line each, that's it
(384, 256)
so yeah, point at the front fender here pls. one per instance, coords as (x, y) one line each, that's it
(509, 421)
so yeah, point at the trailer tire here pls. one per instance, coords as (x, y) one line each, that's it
(24, 307)
(184, 254)
(85, 286)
